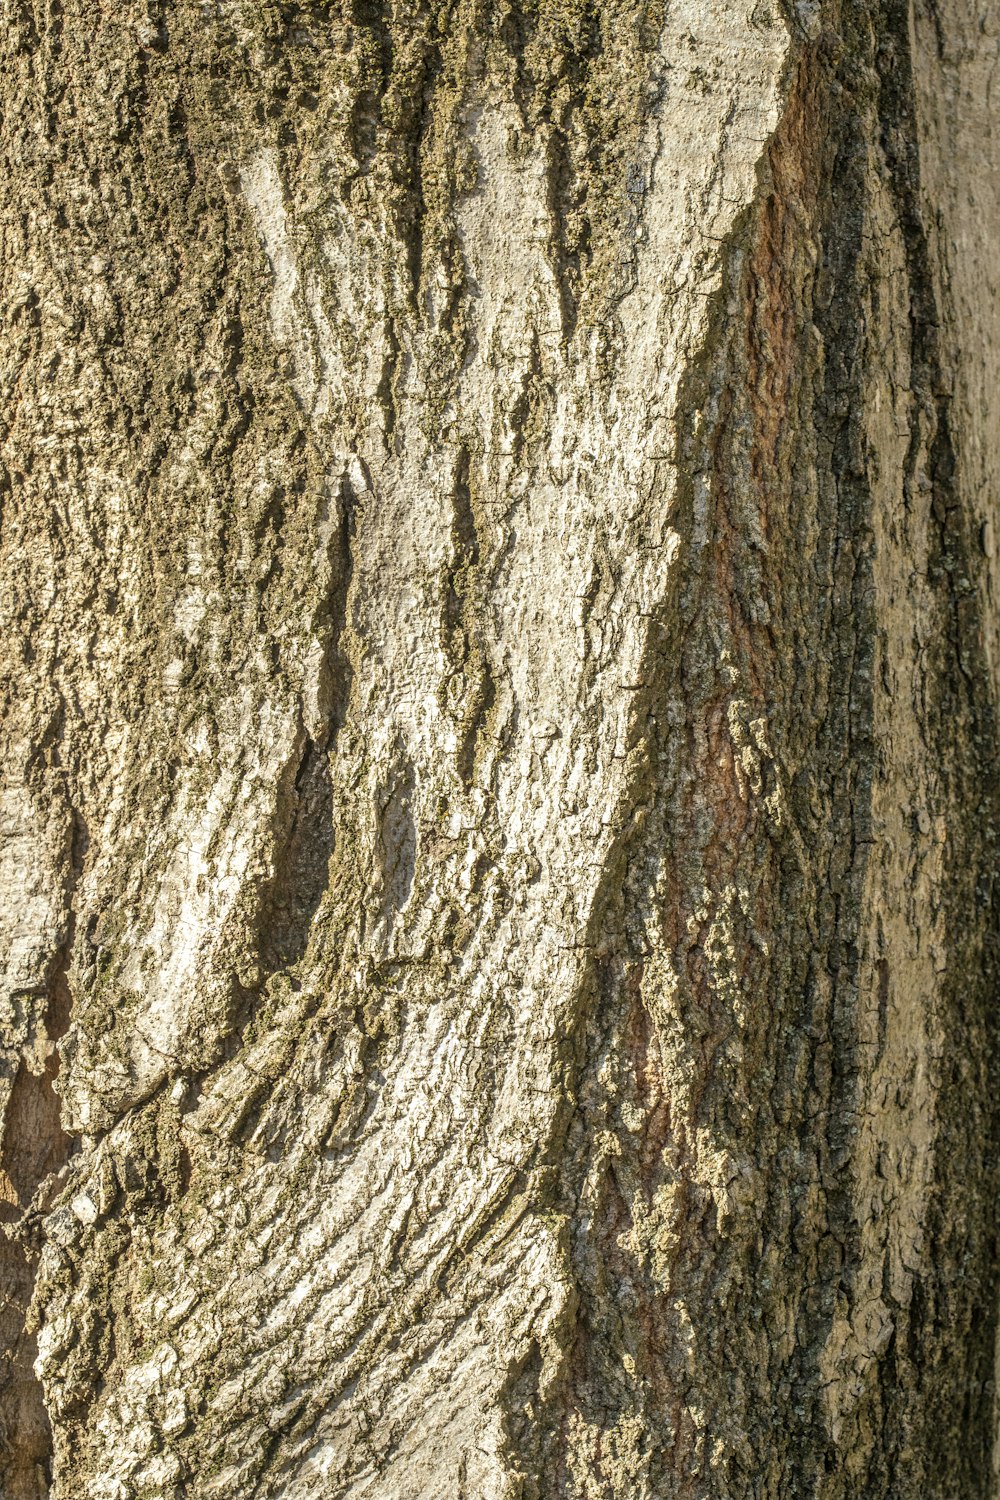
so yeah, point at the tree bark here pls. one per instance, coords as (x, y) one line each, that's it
(500, 651)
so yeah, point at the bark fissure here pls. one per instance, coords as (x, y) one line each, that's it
(35, 1147)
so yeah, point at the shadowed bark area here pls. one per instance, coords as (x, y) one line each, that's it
(784, 829)
(497, 548)
(35, 1147)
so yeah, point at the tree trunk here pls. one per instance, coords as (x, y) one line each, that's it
(500, 643)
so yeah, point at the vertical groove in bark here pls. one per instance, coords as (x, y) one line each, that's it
(955, 1430)
(34, 1149)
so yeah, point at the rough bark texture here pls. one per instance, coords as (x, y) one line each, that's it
(500, 642)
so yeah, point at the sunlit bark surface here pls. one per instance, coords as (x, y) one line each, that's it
(498, 824)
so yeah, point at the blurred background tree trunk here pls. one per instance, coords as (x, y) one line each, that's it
(499, 809)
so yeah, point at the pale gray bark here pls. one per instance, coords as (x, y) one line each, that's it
(500, 646)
